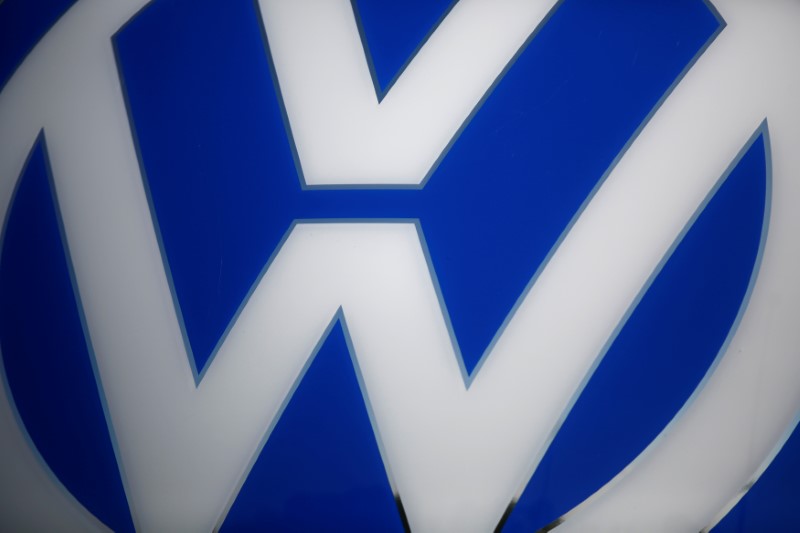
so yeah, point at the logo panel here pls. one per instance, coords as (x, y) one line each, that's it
(439, 288)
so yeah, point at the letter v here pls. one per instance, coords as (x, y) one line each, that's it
(342, 134)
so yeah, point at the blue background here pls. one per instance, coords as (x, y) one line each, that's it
(224, 189)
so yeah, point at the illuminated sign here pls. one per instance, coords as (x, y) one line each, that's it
(304, 264)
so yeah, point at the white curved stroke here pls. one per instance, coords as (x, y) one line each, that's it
(706, 458)
(341, 132)
(30, 497)
(457, 456)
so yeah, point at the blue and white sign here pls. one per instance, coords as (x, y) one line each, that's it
(303, 265)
